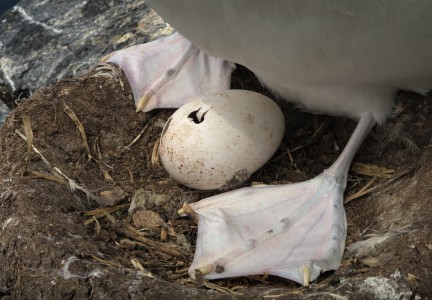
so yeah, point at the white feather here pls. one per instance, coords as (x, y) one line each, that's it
(333, 56)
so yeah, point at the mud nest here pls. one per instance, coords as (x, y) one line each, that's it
(86, 213)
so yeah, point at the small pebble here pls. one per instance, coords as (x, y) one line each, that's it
(143, 199)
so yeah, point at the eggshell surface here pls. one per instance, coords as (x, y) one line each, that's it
(221, 139)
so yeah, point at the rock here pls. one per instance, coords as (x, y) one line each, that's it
(42, 42)
(146, 200)
(183, 241)
(4, 111)
(112, 197)
(148, 219)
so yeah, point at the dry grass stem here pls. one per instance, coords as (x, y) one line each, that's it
(137, 265)
(363, 191)
(378, 186)
(105, 262)
(372, 170)
(72, 184)
(29, 135)
(126, 148)
(80, 127)
(100, 212)
(36, 174)
(219, 288)
(155, 153)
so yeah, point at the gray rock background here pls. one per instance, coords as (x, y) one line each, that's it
(42, 42)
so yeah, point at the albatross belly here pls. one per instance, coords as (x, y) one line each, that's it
(337, 57)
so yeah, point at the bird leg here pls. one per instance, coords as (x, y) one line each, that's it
(170, 71)
(294, 231)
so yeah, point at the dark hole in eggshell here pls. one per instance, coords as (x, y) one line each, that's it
(196, 116)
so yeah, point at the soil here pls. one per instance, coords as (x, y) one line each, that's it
(66, 231)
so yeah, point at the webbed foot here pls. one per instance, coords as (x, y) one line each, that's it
(170, 71)
(294, 231)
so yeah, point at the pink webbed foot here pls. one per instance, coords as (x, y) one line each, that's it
(293, 231)
(170, 71)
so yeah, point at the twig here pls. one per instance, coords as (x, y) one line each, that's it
(382, 185)
(110, 217)
(178, 275)
(98, 227)
(137, 265)
(105, 262)
(363, 191)
(220, 288)
(126, 148)
(129, 243)
(100, 212)
(136, 235)
(286, 295)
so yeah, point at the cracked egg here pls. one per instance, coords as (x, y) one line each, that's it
(218, 140)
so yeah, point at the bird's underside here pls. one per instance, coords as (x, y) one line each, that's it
(332, 56)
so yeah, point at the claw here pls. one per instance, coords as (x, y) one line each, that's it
(142, 103)
(107, 57)
(186, 210)
(203, 271)
(306, 274)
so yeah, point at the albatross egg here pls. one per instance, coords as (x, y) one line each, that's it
(219, 140)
